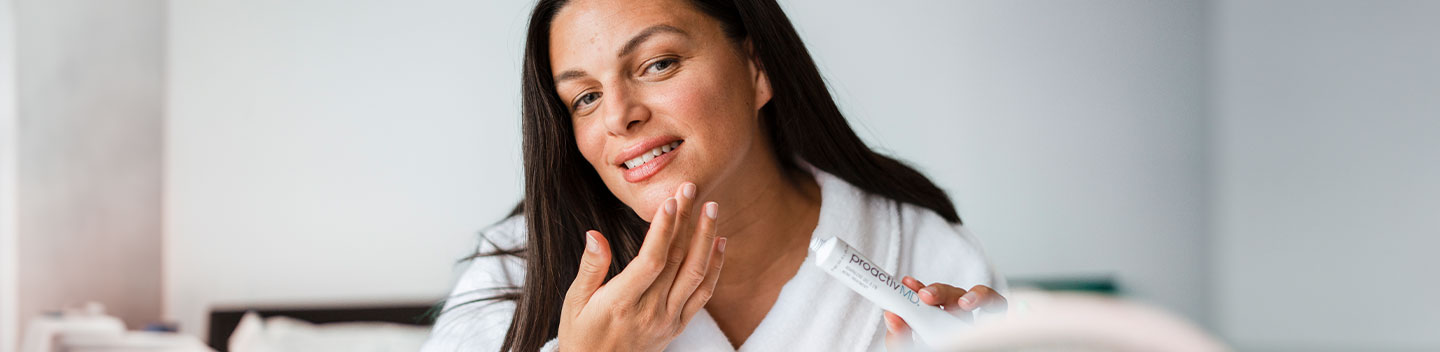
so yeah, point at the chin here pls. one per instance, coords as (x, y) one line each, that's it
(646, 199)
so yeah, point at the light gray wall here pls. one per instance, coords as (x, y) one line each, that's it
(1069, 133)
(9, 240)
(89, 155)
(1327, 174)
(324, 152)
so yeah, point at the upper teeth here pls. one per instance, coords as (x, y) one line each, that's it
(644, 158)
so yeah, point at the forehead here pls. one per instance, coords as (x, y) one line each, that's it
(590, 29)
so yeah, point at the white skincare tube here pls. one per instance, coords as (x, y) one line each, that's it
(930, 323)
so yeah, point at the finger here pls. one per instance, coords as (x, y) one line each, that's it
(684, 196)
(897, 332)
(697, 263)
(650, 262)
(702, 295)
(938, 294)
(594, 264)
(982, 296)
(912, 283)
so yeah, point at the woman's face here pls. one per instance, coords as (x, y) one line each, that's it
(649, 76)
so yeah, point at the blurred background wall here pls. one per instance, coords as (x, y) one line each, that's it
(87, 154)
(9, 240)
(334, 151)
(1326, 120)
(1070, 134)
(1266, 168)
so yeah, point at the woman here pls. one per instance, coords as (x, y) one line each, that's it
(641, 119)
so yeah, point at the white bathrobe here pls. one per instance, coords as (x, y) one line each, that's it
(814, 312)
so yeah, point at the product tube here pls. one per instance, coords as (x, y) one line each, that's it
(930, 323)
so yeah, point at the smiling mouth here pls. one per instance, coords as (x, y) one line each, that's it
(650, 155)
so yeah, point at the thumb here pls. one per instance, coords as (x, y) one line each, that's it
(594, 264)
(897, 333)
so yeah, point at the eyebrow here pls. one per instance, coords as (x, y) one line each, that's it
(629, 46)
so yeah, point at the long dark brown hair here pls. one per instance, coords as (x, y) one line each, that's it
(564, 195)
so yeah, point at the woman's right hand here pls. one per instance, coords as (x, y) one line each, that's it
(649, 302)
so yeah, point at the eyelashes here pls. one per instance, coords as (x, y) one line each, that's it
(586, 99)
(661, 66)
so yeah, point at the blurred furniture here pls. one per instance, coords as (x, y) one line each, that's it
(89, 329)
(309, 323)
(131, 341)
(1097, 284)
(1075, 321)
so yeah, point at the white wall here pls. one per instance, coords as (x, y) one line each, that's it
(1070, 134)
(88, 94)
(1327, 149)
(9, 241)
(334, 151)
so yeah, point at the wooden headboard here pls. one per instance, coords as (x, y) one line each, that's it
(224, 321)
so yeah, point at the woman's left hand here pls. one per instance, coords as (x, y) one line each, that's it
(955, 300)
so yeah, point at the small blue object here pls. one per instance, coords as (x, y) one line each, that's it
(161, 327)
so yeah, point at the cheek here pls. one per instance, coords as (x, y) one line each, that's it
(704, 103)
(723, 115)
(590, 138)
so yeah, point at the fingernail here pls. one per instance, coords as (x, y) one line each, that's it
(670, 206)
(928, 291)
(712, 209)
(688, 190)
(590, 244)
(967, 299)
(895, 326)
(722, 245)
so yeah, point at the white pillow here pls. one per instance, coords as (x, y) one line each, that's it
(284, 334)
(1063, 321)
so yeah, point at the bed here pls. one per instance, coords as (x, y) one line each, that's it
(412, 317)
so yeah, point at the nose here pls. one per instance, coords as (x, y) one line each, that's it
(622, 112)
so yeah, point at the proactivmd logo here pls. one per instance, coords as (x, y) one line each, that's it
(885, 279)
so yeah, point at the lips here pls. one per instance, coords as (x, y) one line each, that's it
(650, 155)
(639, 149)
(638, 162)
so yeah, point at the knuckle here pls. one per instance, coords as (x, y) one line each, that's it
(622, 310)
(674, 259)
(648, 265)
(704, 296)
(943, 289)
(591, 268)
(646, 310)
(695, 274)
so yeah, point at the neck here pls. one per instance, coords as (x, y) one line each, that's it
(767, 217)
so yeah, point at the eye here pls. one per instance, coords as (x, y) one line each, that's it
(662, 65)
(585, 100)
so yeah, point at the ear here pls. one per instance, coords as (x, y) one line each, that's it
(757, 72)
